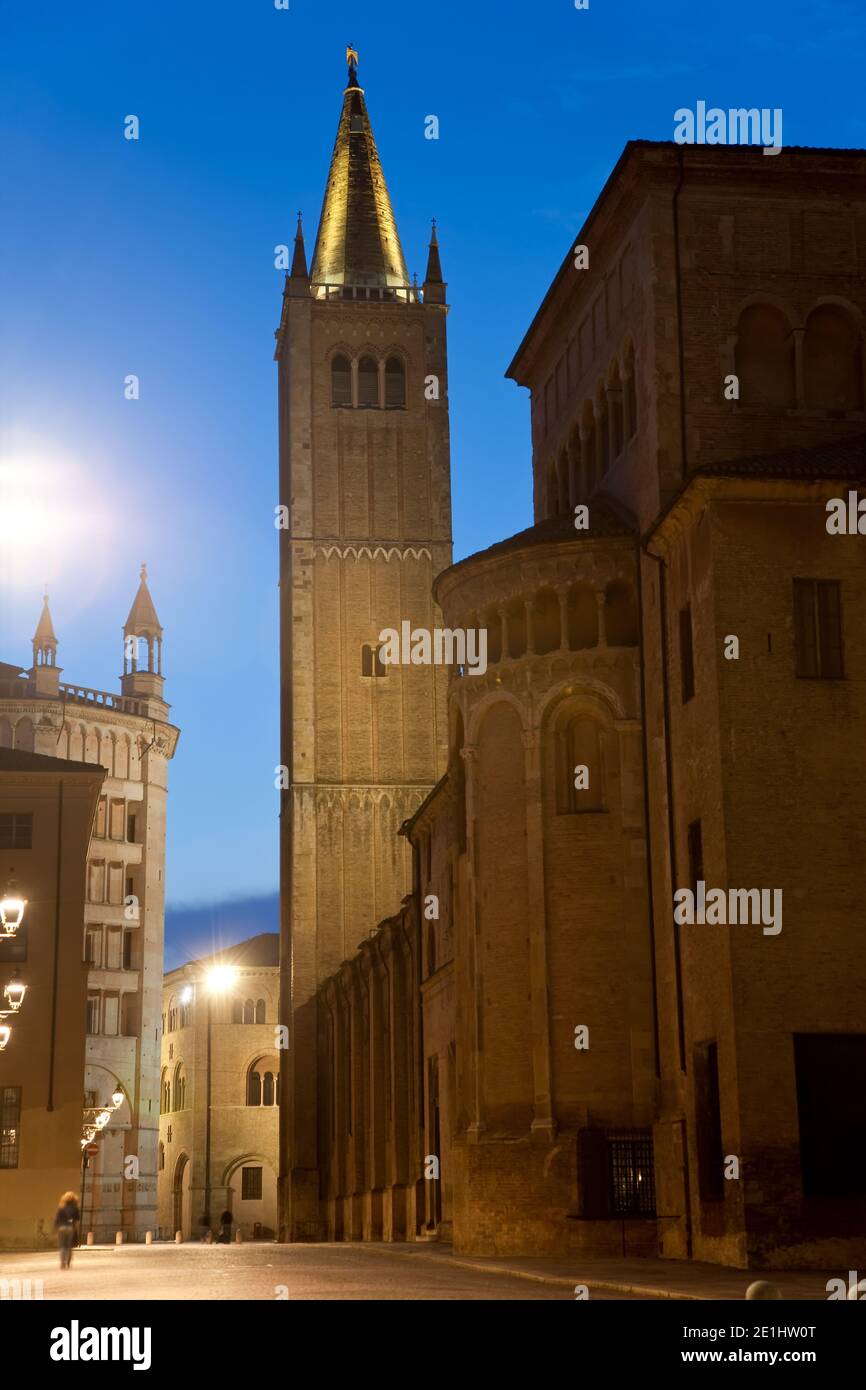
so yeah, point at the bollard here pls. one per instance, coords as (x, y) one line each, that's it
(118, 1239)
(89, 1237)
(762, 1289)
(178, 1237)
(148, 1237)
(239, 1240)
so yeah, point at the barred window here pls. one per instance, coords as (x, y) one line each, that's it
(251, 1184)
(10, 1126)
(632, 1180)
(818, 629)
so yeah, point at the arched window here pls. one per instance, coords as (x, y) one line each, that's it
(368, 382)
(515, 617)
(615, 414)
(545, 622)
(372, 664)
(630, 421)
(254, 1086)
(341, 381)
(602, 433)
(620, 615)
(493, 623)
(237, 1011)
(552, 490)
(263, 1082)
(165, 1094)
(562, 483)
(588, 449)
(249, 1011)
(179, 1087)
(172, 1015)
(579, 765)
(764, 358)
(260, 1011)
(832, 360)
(395, 384)
(582, 618)
(161, 1157)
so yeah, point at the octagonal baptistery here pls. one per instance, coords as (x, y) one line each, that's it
(553, 1009)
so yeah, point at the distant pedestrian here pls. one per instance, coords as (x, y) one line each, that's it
(225, 1235)
(66, 1221)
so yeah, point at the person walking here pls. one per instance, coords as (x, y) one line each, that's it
(66, 1221)
(225, 1235)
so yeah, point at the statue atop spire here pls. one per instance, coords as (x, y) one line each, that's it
(352, 60)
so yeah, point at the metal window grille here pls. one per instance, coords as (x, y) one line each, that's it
(10, 1125)
(631, 1174)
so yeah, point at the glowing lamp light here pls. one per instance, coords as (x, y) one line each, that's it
(117, 1097)
(102, 1120)
(11, 908)
(15, 992)
(5, 1035)
(186, 995)
(220, 978)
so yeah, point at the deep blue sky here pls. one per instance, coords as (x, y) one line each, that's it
(156, 258)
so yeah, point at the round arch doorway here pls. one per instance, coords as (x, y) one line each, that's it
(180, 1193)
(251, 1186)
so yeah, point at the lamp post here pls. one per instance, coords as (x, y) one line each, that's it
(219, 980)
(95, 1119)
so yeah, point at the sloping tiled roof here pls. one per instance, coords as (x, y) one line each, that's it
(845, 458)
(263, 949)
(17, 760)
(606, 521)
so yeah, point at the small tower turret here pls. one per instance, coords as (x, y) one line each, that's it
(142, 647)
(45, 671)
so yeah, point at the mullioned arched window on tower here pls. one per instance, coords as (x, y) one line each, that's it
(341, 381)
(371, 662)
(395, 384)
(368, 383)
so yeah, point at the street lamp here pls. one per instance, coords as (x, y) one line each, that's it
(5, 1035)
(15, 992)
(219, 980)
(12, 907)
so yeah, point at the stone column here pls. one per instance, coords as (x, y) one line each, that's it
(574, 492)
(799, 375)
(562, 594)
(602, 631)
(543, 1122)
(586, 462)
(476, 1126)
(529, 605)
(503, 624)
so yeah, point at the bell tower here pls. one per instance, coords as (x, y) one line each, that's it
(365, 483)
